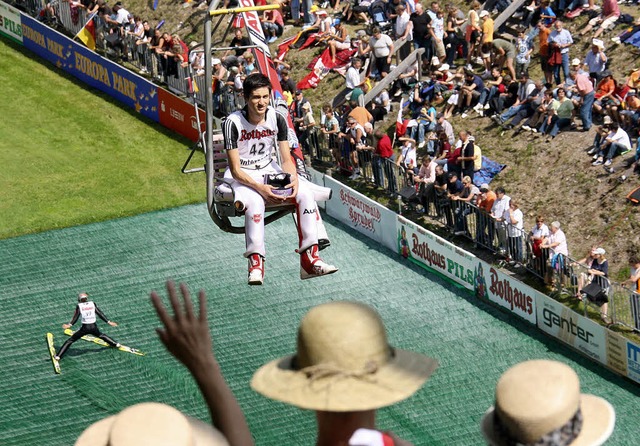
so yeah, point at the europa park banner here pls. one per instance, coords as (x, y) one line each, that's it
(92, 69)
(425, 248)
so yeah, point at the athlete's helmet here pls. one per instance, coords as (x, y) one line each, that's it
(83, 297)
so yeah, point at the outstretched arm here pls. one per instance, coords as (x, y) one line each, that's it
(187, 337)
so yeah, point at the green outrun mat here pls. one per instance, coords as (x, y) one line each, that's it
(118, 262)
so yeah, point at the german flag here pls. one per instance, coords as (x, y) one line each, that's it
(87, 34)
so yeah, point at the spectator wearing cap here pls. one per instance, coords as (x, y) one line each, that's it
(584, 88)
(453, 190)
(617, 142)
(595, 61)
(539, 402)
(297, 109)
(344, 369)
(560, 39)
(340, 40)
(578, 66)
(484, 203)
(607, 18)
(487, 38)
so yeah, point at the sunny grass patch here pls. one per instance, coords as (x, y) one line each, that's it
(70, 155)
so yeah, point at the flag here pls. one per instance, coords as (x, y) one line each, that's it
(88, 33)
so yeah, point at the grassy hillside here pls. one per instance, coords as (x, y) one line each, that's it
(70, 155)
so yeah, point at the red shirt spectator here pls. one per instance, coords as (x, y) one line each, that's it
(384, 148)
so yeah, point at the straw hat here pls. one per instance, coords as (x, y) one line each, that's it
(151, 423)
(343, 363)
(541, 398)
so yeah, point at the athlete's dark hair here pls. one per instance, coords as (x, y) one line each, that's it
(253, 82)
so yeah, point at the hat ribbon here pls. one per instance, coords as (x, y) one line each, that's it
(319, 371)
(562, 436)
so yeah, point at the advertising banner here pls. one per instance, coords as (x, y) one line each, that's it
(92, 69)
(633, 361)
(426, 248)
(361, 213)
(571, 328)
(616, 352)
(180, 116)
(10, 22)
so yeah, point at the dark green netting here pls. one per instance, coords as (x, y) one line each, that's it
(119, 262)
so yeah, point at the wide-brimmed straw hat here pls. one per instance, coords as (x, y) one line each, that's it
(540, 402)
(150, 423)
(343, 363)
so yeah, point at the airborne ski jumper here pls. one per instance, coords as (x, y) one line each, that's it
(87, 311)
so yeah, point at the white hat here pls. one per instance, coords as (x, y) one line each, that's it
(483, 13)
(599, 43)
(343, 363)
(540, 400)
(215, 62)
(576, 62)
(607, 120)
(599, 251)
(444, 67)
(150, 423)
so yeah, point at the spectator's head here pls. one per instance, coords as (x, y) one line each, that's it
(435, 6)
(495, 71)
(555, 226)
(558, 25)
(400, 9)
(337, 23)
(145, 25)
(485, 48)
(284, 74)
(440, 118)
(507, 79)
(248, 57)
(464, 135)
(484, 14)
(376, 32)
(419, 8)
(466, 181)
(500, 192)
(238, 33)
(439, 169)
(524, 76)
(597, 45)
(599, 252)
(561, 93)
(539, 221)
(343, 363)
(150, 423)
(475, 5)
(453, 177)
(253, 83)
(426, 159)
(513, 204)
(327, 109)
(299, 95)
(368, 127)
(634, 262)
(484, 188)
(539, 402)
(356, 62)
(306, 107)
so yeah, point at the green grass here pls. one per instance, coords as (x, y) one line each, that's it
(70, 155)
